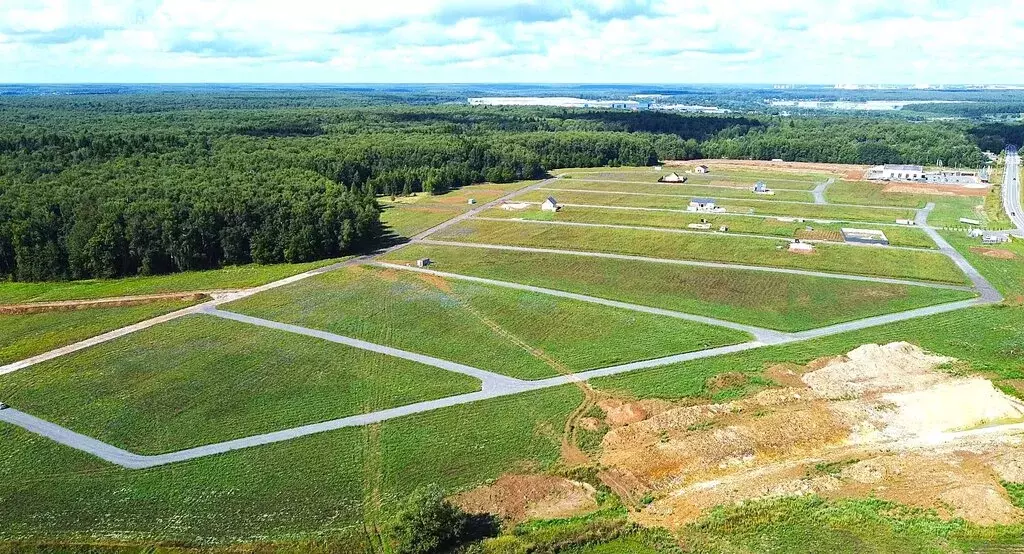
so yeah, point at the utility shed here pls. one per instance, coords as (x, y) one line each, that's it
(761, 188)
(550, 205)
(423, 262)
(672, 178)
(702, 169)
(864, 236)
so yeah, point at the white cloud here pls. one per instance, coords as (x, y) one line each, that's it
(512, 40)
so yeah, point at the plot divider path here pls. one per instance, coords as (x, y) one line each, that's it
(493, 385)
(819, 191)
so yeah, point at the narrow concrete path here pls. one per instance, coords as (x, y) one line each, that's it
(491, 382)
(695, 232)
(591, 191)
(761, 334)
(819, 191)
(987, 291)
(717, 265)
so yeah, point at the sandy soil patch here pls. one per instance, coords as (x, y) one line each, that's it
(994, 253)
(113, 302)
(938, 190)
(884, 420)
(516, 498)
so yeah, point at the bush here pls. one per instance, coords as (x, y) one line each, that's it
(427, 523)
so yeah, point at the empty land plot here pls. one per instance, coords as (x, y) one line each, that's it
(202, 379)
(766, 207)
(407, 215)
(26, 335)
(731, 178)
(235, 277)
(677, 189)
(907, 195)
(520, 334)
(879, 262)
(1002, 264)
(769, 226)
(777, 301)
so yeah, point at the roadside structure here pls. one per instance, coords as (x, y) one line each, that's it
(702, 169)
(993, 237)
(703, 205)
(550, 205)
(672, 178)
(864, 236)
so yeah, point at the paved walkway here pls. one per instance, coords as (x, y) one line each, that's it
(717, 265)
(987, 291)
(819, 191)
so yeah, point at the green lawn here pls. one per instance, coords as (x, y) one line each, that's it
(236, 277)
(689, 189)
(773, 300)
(1007, 275)
(948, 211)
(316, 487)
(993, 345)
(516, 333)
(721, 177)
(405, 216)
(767, 207)
(871, 193)
(898, 236)
(883, 262)
(201, 379)
(25, 335)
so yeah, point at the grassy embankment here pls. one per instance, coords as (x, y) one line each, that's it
(521, 334)
(880, 262)
(201, 379)
(766, 207)
(773, 300)
(25, 335)
(898, 236)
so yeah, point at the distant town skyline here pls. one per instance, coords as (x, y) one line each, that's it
(501, 41)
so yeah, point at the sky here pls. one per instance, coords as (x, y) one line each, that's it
(509, 41)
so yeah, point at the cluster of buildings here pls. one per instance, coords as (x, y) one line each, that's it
(917, 173)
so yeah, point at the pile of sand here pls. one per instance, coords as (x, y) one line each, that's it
(516, 498)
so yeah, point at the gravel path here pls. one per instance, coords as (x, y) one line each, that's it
(988, 292)
(819, 191)
(693, 263)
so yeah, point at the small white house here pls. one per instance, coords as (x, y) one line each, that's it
(761, 188)
(423, 262)
(703, 205)
(701, 169)
(550, 205)
(471, 201)
(672, 178)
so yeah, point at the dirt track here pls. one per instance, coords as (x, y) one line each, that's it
(110, 302)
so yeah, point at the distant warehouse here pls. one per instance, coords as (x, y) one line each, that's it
(896, 172)
(864, 236)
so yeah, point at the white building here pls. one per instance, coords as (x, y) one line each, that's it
(550, 205)
(703, 205)
(896, 172)
(701, 169)
(761, 188)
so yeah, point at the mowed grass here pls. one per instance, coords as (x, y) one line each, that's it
(236, 277)
(773, 300)
(305, 489)
(405, 216)
(768, 226)
(780, 180)
(25, 335)
(201, 379)
(765, 207)
(881, 262)
(992, 346)
(874, 194)
(515, 333)
(688, 189)
(1002, 264)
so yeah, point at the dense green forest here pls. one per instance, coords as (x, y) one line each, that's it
(114, 185)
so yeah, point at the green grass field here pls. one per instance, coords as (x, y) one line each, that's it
(897, 235)
(25, 335)
(236, 277)
(768, 207)
(320, 486)
(516, 333)
(883, 262)
(777, 301)
(1006, 274)
(741, 178)
(995, 352)
(407, 215)
(201, 379)
(689, 190)
(873, 194)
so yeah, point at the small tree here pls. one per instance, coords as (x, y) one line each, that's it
(427, 523)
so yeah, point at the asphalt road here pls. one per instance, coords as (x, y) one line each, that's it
(1011, 191)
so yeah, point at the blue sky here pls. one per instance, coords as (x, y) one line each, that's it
(572, 41)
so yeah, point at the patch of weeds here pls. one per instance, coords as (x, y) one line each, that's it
(1009, 390)
(647, 499)
(1016, 493)
(663, 436)
(829, 468)
(702, 426)
(887, 406)
(956, 368)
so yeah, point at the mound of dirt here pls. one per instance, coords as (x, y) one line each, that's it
(994, 253)
(882, 420)
(517, 498)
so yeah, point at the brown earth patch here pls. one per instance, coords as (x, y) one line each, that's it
(725, 381)
(517, 498)
(938, 190)
(819, 234)
(435, 281)
(113, 302)
(994, 253)
(848, 171)
(787, 375)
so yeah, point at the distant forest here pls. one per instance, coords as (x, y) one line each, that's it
(116, 185)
